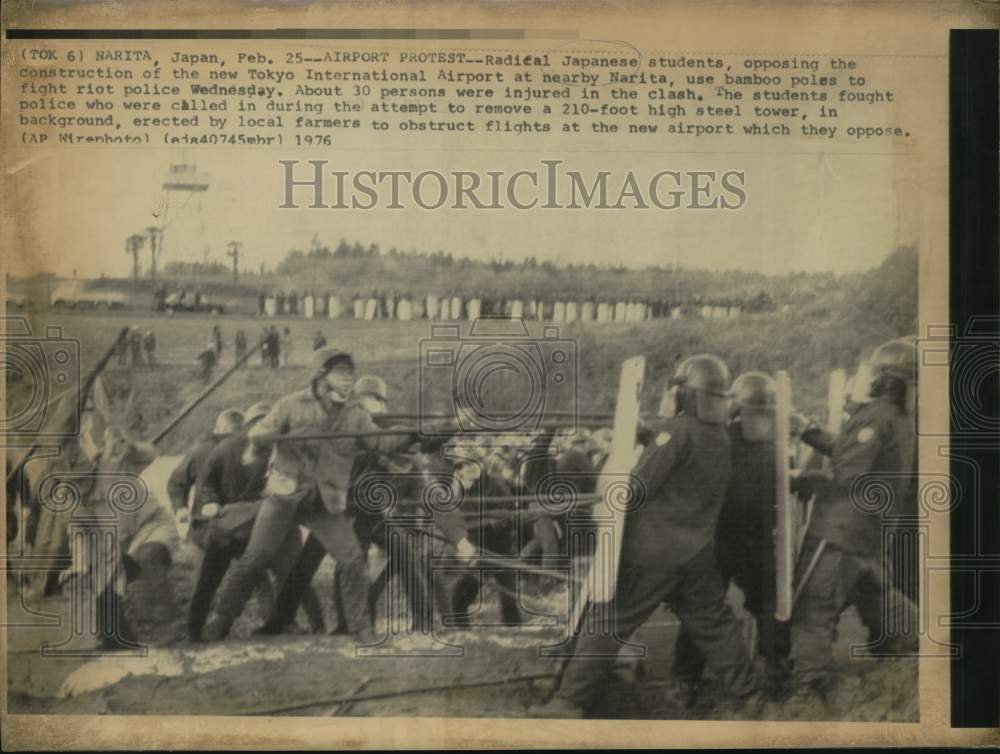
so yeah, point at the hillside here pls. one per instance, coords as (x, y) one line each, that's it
(351, 268)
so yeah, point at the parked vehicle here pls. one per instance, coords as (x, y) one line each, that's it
(74, 295)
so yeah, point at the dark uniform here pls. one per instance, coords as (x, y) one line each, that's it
(667, 551)
(744, 548)
(867, 458)
(668, 558)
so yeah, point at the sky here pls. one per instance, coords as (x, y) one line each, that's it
(805, 212)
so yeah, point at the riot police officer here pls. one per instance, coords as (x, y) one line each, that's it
(844, 548)
(744, 540)
(667, 552)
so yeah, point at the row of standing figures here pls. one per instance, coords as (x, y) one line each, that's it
(459, 307)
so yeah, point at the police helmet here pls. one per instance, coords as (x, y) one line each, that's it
(897, 358)
(702, 384)
(753, 402)
(753, 391)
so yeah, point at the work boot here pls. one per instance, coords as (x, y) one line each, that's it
(557, 707)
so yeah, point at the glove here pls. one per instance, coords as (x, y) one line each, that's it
(466, 550)
(182, 517)
(803, 486)
(210, 510)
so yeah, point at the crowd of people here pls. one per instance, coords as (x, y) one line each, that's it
(463, 305)
(136, 350)
(702, 517)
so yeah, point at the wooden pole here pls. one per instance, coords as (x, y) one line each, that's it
(203, 395)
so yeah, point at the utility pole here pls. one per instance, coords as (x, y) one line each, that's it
(234, 252)
(155, 246)
(133, 245)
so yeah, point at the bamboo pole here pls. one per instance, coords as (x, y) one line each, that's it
(203, 395)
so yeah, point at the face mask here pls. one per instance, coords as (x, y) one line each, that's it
(337, 384)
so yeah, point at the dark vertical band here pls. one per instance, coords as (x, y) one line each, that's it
(975, 303)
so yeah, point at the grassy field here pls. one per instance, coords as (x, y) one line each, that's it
(807, 347)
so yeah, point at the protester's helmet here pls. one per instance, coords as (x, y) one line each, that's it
(325, 359)
(256, 412)
(702, 384)
(228, 422)
(373, 386)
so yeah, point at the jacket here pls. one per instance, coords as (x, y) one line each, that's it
(185, 476)
(323, 464)
(870, 464)
(225, 479)
(680, 483)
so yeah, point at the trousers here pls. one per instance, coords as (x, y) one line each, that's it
(278, 517)
(840, 579)
(498, 539)
(694, 591)
(755, 577)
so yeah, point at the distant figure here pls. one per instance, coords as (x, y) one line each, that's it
(286, 346)
(217, 341)
(149, 345)
(207, 360)
(319, 341)
(273, 347)
(135, 346)
(241, 346)
(265, 347)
